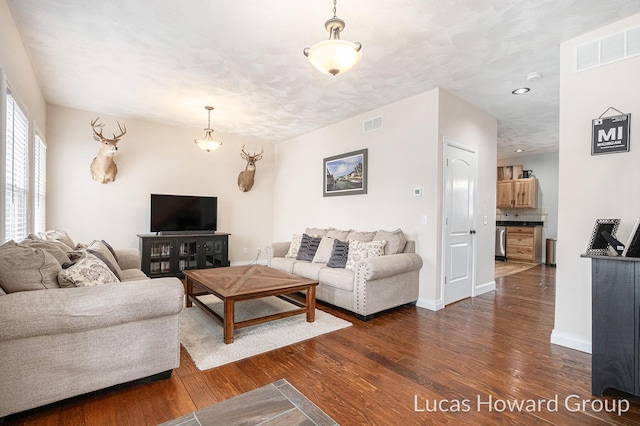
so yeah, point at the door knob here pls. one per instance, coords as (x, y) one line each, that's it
(473, 231)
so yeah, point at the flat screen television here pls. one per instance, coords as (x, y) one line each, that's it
(183, 213)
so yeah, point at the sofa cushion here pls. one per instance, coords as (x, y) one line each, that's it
(294, 246)
(24, 268)
(324, 250)
(359, 250)
(87, 271)
(284, 264)
(308, 247)
(338, 234)
(308, 270)
(58, 235)
(101, 250)
(396, 240)
(360, 236)
(338, 278)
(339, 254)
(54, 248)
(132, 275)
(317, 232)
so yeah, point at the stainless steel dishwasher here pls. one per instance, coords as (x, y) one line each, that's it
(501, 243)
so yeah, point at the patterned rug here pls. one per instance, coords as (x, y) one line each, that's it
(202, 336)
(276, 404)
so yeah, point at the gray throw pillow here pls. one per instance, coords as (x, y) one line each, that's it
(339, 254)
(308, 247)
(102, 252)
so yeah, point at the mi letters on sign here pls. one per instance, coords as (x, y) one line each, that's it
(610, 134)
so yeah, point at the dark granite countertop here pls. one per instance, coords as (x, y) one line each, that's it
(519, 223)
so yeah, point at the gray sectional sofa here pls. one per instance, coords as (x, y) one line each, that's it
(58, 342)
(372, 283)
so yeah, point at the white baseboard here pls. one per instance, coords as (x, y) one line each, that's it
(485, 288)
(570, 341)
(432, 305)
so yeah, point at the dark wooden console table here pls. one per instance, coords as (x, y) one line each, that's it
(170, 255)
(615, 304)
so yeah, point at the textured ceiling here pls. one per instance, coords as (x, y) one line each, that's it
(164, 60)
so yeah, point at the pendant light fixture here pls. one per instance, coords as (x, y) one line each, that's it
(208, 144)
(334, 56)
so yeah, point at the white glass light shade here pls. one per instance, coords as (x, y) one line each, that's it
(334, 56)
(208, 144)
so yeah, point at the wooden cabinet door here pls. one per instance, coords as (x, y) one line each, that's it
(504, 194)
(526, 193)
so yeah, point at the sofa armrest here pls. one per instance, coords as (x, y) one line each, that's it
(69, 310)
(374, 268)
(128, 258)
(277, 249)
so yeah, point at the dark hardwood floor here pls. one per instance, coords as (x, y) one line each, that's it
(393, 370)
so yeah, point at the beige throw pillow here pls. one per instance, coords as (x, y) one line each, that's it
(359, 250)
(24, 268)
(51, 247)
(58, 235)
(323, 254)
(396, 240)
(87, 271)
(338, 234)
(294, 246)
(361, 236)
(317, 232)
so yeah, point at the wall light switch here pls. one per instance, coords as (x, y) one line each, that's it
(484, 220)
(423, 219)
(417, 192)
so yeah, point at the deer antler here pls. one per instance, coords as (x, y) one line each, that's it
(248, 157)
(97, 135)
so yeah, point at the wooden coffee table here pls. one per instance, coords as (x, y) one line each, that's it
(237, 283)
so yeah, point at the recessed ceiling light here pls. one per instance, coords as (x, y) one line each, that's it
(521, 91)
(519, 150)
(533, 76)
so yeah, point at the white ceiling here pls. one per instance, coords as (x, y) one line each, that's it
(164, 60)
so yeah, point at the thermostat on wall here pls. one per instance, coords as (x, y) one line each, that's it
(417, 192)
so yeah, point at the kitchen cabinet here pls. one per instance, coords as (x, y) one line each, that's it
(517, 193)
(524, 243)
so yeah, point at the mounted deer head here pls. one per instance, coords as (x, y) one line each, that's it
(103, 168)
(245, 179)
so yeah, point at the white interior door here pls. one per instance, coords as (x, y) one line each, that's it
(460, 187)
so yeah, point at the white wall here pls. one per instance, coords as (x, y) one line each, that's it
(546, 169)
(18, 70)
(405, 154)
(152, 158)
(591, 187)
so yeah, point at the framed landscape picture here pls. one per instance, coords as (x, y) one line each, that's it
(345, 174)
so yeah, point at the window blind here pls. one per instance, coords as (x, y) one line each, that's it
(39, 187)
(16, 191)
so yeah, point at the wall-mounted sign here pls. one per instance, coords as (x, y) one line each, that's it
(610, 134)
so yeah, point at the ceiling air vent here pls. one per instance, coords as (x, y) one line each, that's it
(606, 50)
(372, 124)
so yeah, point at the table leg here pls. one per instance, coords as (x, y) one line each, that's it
(229, 308)
(311, 303)
(189, 292)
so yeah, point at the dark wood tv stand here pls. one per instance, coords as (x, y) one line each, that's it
(169, 255)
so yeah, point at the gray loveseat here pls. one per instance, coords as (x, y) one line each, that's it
(372, 284)
(57, 343)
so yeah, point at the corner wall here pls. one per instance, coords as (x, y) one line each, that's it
(152, 158)
(591, 187)
(18, 70)
(406, 153)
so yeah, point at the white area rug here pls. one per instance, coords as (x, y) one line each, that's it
(202, 336)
